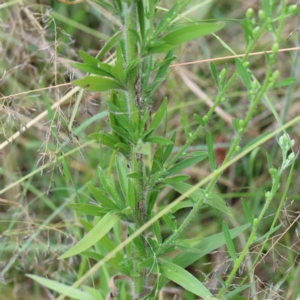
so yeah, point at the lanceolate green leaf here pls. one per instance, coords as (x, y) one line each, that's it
(190, 32)
(88, 209)
(211, 154)
(159, 115)
(285, 82)
(122, 177)
(97, 83)
(213, 200)
(243, 73)
(247, 211)
(186, 163)
(89, 68)
(111, 141)
(158, 140)
(105, 201)
(228, 241)
(185, 279)
(206, 246)
(88, 59)
(109, 44)
(63, 289)
(95, 235)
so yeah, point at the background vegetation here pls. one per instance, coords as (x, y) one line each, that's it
(38, 42)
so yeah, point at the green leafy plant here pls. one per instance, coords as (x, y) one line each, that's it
(124, 223)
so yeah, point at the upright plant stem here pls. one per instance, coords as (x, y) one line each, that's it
(134, 107)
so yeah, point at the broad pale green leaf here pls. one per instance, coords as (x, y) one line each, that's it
(228, 241)
(243, 73)
(97, 83)
(63, 289)
(185, 279)
(190, 32)
(211, 154)
(158, 140)
(213, 200)
(88, 209)
(92, 237)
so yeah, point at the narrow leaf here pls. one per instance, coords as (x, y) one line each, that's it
(190, 32)
(185, 279)
(228, 241)
(169, 149)
(89, 68)
(206, 246)
(158, 140)
(243, 73)
(105, 201)
(116, 38)
(214, 73)
(159, 115)
(88, 209)
(176, 179)
(122, 176)
(211, 154)
(247, 211)
(95, 235)
(213, 199)
(199, 120)
(63, 289)
(186, 163)
(121, 117)
(285, 82)
(96, 83)
(88, 59)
